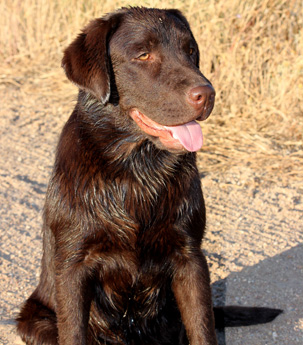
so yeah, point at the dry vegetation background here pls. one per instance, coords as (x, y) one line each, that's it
(252, 51)
(252, 160)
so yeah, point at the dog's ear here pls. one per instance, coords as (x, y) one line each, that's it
(181, 17)
(86, 60)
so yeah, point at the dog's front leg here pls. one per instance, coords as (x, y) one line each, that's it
(73, 300)
(191, 287)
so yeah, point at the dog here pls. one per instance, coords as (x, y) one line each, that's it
(124, 215)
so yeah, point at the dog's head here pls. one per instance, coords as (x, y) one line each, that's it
(146, 61)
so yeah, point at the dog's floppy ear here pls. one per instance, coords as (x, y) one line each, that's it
(180, 16)
(86, 60)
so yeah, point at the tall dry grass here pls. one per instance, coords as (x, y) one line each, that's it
(252, 51)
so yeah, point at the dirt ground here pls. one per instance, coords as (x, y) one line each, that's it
(254, 238)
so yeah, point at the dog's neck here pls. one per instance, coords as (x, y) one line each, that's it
(120, 137)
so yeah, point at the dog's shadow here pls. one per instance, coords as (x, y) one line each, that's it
(275, 282)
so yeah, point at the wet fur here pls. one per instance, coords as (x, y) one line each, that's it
(124, 218)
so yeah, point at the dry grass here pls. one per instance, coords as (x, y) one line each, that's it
(250, 50)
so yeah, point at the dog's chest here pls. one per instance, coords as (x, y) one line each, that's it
(136, 254)
(135, 266)
(134, 285)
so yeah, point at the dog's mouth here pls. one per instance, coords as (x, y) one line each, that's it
(185, 136)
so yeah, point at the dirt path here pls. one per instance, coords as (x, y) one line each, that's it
(254, 238)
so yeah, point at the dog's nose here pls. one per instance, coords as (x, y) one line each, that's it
(202, 99)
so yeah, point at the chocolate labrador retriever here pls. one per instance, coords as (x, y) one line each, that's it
(124, 215)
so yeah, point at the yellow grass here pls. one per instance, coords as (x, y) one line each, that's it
(252, 51)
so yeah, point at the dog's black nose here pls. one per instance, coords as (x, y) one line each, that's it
(202, 99)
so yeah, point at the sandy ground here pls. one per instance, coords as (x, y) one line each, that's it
(254, 238)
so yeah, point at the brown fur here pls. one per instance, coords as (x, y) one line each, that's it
(124, 215)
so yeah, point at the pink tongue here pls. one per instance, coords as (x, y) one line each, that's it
(189, 135)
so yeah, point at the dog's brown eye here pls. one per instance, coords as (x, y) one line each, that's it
(144, 57)
(191, 51)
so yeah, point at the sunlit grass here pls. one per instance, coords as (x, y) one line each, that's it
(252, 51)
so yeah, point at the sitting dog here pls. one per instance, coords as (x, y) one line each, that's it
(124, 215)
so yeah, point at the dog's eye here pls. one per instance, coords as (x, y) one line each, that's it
(144, 57)
(191, 51)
